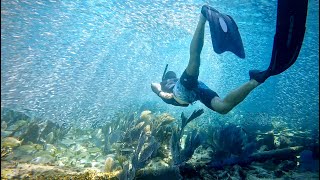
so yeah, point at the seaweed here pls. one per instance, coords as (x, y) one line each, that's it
(119, 130)
(42, 132)
(147, 152)
(228, 139)
(135, 158)
(127, 173)
(175, 147)
(193, 140)
(142, 155)
(12, 116)
(32, 134)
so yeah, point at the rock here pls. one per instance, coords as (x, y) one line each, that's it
(284, 142)
(222, 175)
(263, 148)
(278, 173)
(160, 173)
(32, 134)
(264, 175)
(238, 172)
(269, 165)
(205, 175)
(267, 140)
(287, 165)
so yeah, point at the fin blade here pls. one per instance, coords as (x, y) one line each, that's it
(224, 32)
(290, 30)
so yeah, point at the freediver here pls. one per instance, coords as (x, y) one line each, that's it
(225, 37)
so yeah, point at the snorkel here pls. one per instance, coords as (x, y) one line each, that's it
(169, 79)
(164, 72)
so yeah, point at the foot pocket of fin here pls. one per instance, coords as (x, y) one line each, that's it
(259, 76)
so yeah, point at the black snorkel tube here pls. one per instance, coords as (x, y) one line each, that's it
(164, 72)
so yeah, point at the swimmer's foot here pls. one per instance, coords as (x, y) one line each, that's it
(259, 76)
(204, 10)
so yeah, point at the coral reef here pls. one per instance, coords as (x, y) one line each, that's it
(43, 172)
(156, 146)
(108, 165)
(5, 151)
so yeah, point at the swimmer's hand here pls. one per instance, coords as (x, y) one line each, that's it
(166, 95)
(156, 88)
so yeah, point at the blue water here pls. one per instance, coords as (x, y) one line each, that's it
(85, 60)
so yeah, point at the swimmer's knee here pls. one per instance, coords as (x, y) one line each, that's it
(221, 107)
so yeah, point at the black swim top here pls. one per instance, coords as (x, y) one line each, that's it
(173, 102)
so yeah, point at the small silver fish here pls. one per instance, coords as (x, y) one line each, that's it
(10, 142)
(49, 138)
(42, 160)
(4, 125)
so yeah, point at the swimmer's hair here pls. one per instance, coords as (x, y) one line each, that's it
(170, 75)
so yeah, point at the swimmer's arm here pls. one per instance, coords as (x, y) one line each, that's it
(156, 88)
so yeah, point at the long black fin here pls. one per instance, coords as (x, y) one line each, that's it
(290, 30)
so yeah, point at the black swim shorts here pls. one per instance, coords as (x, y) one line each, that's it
(189, 89)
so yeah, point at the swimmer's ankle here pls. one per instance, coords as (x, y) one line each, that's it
(202, 19)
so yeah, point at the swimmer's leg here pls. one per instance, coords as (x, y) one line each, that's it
(196, 48)
(233, 98)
